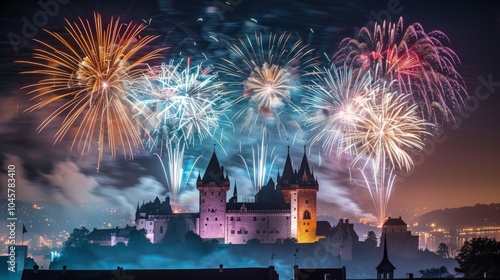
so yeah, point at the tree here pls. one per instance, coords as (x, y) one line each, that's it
(442, 250)
(77, 239)
(479, 256)
(253, 241)
(435, 272)
(371, 238)
(137, 238)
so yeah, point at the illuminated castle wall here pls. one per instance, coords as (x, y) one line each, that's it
(281, 210)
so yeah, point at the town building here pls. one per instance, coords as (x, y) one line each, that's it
(401, 241)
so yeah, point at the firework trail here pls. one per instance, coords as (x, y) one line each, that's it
(267, 70)
(261, 158)
(387, 134)
(91, 73)
(420, 62)
(186, 105)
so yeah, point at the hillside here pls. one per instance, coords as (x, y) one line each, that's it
(478, 215)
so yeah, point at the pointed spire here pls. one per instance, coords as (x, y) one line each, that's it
(199, 177)
(288, 169)
(137, 212)
(214, 172)
(385, 265)
(304, 170)
(234, 199)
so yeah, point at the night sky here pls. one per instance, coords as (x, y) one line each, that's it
(461, 170)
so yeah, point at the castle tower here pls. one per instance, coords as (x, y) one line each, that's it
(213, 188)
(299, 189)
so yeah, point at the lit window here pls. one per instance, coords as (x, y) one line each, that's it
(307, 215)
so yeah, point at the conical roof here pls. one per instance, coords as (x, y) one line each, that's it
(214, 172)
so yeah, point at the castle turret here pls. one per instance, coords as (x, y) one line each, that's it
(213, 188)
(299, 188)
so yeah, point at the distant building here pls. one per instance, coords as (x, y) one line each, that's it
(161, 223)
(342, 239)
(401, 241)
(109, 237)
(282, 210)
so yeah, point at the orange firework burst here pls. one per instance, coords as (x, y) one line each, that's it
(92, 73)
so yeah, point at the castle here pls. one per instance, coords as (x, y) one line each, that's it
(282, 210)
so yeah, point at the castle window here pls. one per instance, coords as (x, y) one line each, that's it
(263, 219)
(255, 218)
(203, 200)
(205, 193)
(219, 193)
(232, 231)
(307, 215)
(231, 219)
(307, 201)
(271, 231)
(238, 219)
(161, 229)
(207, 218)
(221, 200)
(151, 223)
(264, 231)
(258, 231)
(212, 193)
(307, 230)
(277, 231)
(216, 219)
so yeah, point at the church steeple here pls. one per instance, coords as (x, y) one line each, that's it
(385, 269)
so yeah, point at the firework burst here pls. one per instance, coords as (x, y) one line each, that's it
(334, 103)
(420, 62)
(91, 73)
(388, 130)
(186, 103)
(385, 137)
(267, 70)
